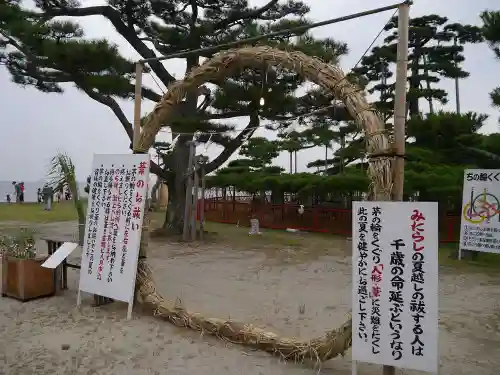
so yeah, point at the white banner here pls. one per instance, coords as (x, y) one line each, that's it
(480, 224)
(115, 212)
(395, 284)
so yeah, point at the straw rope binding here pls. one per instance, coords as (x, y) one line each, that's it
(329, 78)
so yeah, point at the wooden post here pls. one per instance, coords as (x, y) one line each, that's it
(136, 136)
(400, 101)
(400, 114)
(194, 213)
(137, 105)
(189, 189)
(202, 203)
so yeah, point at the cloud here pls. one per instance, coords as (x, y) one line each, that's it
(35, 125)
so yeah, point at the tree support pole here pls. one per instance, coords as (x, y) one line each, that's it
(189, 192)
(139, 68)
(400, 114)
(136, 136)
(202, 201)
(194, 194)
(400, 102)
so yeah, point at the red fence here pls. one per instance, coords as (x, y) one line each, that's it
(322, 220)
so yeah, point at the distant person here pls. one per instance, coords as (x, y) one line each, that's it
(48, 196)
(67, 194)
(39, 197)
(17, 190)
(21, 195)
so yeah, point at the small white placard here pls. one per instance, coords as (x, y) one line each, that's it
(395, 284)
(60, 254)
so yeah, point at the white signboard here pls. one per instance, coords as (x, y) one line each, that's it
(115, 213)
(480, 224)
(60, 254)
(395, 284)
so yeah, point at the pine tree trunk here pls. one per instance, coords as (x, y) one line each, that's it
(174, 217)
(326, 160)
(342, 147)
(413, 105)
(428, 83)
(155, 193)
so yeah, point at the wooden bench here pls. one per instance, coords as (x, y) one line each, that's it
(61, 272)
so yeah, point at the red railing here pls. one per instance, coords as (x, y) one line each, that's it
(316, 219)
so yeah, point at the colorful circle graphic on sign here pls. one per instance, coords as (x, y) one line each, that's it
(481, 207)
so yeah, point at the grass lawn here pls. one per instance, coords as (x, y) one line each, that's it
(485, 261)
(35, 213)
(319, 243)
(238, 236)
(306, 244)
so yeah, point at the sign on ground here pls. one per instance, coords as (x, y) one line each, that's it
(480, 223)
(395, 284)
(115, 213)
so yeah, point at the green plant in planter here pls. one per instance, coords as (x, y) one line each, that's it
(20, 245)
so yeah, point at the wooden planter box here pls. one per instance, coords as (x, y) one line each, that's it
(25, 279)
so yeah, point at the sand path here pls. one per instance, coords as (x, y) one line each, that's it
(294, 292)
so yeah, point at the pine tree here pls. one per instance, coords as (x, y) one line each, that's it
(41, 50)
(292, 142)
(260, 152)
(322, 133)
(435, 52)
(491, 33)
(327, 134)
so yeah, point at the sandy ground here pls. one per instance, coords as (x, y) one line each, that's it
(293, 292)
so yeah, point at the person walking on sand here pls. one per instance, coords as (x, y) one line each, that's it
(48, 195)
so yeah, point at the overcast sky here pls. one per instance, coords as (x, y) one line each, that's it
(35, 125)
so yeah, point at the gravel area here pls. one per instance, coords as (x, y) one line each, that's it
(294, 292)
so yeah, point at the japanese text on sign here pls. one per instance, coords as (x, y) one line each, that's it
(395, 284)
(117, 197)
(480, 223)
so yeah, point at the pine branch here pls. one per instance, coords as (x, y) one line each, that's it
(225, 115)
(128, 33)
(148, 93)
(240, 16)
(234, 144)
(56, 75)
(127, 126)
